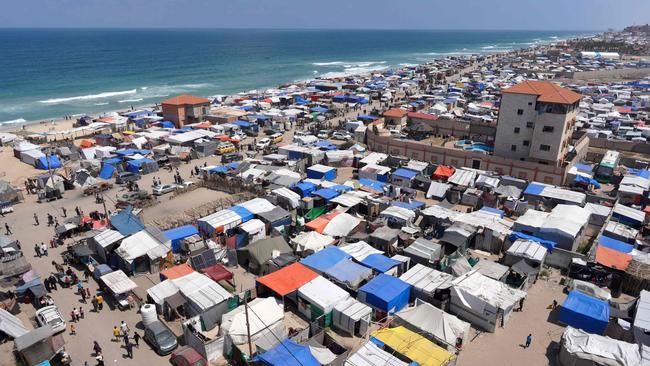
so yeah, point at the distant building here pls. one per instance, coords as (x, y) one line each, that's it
(395, 118)
(185, 109)
(535, 122)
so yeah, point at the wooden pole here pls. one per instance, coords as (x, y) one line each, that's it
(248, 328)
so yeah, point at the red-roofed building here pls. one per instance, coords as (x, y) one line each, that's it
(536, 121)
(184, 109)
(395, 118)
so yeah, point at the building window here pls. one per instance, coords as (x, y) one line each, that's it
(513, 147)
(529, 125)
(526, 143)
(520, 112)
(530, 103)
(516, 129)
(544, 148)
(547, 129)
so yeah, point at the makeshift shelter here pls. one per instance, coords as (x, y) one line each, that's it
(371, 355)
(579, 348)
(217, 273)
(205, 298)
(380, 263)
(177, 271)
(141, 251)
(437, 190)
(424, 251)
(385, 293)
(349, 273)
(264, 324)
(384, 238)
(413, 346)
(352, 316)
(403, 177)
(442, 173)
(311, 242)
(319, 171)
(481, 300)
(318, 297)
(10, 325)
(612, 258)
(341, 225)
(325, 259)
(256, 256)
(104, 242)
(359, 250)
(176, 235)
(223, 220)
(288, 279)
(443, 328)
(126, 222)
(48, 162)
(276, 218)
(252, 231)
(426, 282)
(38, 345)
(288, 353)
(585, 312)
(565, 225)
(530, 251)
(119, 286)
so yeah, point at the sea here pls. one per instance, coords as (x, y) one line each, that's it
(50, 73)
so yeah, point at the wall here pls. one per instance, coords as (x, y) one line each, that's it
(506, 136)
(561, 258)
(446, 127)
(461, 158)
(607, 74)
(622, 146)
(557, 139)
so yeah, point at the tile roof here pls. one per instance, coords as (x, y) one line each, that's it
(185, 100)
(425, 116)
(395, 112)
(546, 92)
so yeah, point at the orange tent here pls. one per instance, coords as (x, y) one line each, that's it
(612, 258)
(176, 272)
(318, 224)
(203, 125)
(86, 144)
(443, 172)
(288, 279)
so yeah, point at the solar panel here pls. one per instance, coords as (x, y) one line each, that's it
(204, 260)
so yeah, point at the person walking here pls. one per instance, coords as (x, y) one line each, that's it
(77, 211)
(97, 348)
(44, 249)
(37, 250)
(76, 314)
(73, 330)
(100, 360)
(125, 338)
(529, 339)
(8, 229)
(136, 339)
(72, 315)
(124, 328)
(50, 219)
(86, 275)
(65, 212)
(129, 349)
(36, 223)
(81, 311)
(116, 334)
(100, 302)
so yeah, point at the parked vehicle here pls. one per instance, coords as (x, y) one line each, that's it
(276, 138)
(230, 157)
(187, 356)
(337, 135)
(161, 339)
(163, 189)
(131, 196)
(126, 177)
(50, 315)
(263, 143)
(225, 148)
(324, 134)
(588, 288)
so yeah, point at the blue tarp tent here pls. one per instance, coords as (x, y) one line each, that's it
(585, 312)
(126, 222)
(319, 110)
(259, 117)
(178, 234)
(134, 165)
(126, 152)
(101, 270)
(243, 124)
(301, 101)
(615, 244)
(349, 272)
(548, 244)
(167, 124)
(408, 205)
(325, 259)
(534, 189)
(586, 181)
(242, 212)
(321, 172)
(247, 108)
(107, 171)
(492, 210)
(112, 161)
(405, 173)
(373, 184)
(218, 169)
(326, 145)
(584, 168)
(48, 162)
(288, 353)
(326, 193)
(305, 189)
(341, 188)
(385, 293)
(380, 262)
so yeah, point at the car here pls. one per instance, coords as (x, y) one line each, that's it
(398, 134)
(126, 177)
(588, 288)
(163, 189)
(324, 134)
(276, 138)
(187, 356)
(161, 339)
(271, 131)
(337, 135)
(186, 184)
(263, 143)
(230, 157)
(225, 148)
(299, 133)
(50, 315)
(133, 195)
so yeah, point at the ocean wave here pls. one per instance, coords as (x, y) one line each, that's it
(13, 121)
(488, 47)
(130, 100)
(88, 97)
(353, 71)
(349, 64)
(102, 103)
(333, 63)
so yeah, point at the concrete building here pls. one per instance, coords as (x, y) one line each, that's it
(535, 122)
(185, 109)
(395, 118)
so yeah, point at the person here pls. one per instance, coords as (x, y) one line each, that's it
(76, 313)
(554, 304)
(129, 349)
(80, 288)
(100, 360)
(521, 304)
(86, 275)
(87, 292)
(124, 328)
(53, 282)
(50, 219)
(97, 348)
(44, 249)
(73, 314)
(136, 339)
(116, 334)
(77, 211)
(73, 330)
(82, 292)
(100, 302)
(36, 219)
(65, 212)
(94, 302)
(529, 339)
(37, 249)
(125, 338)
(8, 229)
(81, 311)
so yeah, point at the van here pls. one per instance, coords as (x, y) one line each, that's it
(277, 138)
(225, 148)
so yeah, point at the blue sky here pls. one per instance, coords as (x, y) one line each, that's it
(340, 14)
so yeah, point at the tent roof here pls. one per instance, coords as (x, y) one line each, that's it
(413, 346)
(495, 293)
(360, 250)
(288, 353)
(427, 318)
(181, 232)
(176, 271)
(380, 262)
(349, 273)
(118, 282)
(371, 355)
(426, 279)
(11, 325)
(585, 312)
(323, 293)
(311, 240)
(288, 279)
(217, 273)
(600, 350)
(126, 222)
(323, 260)
(262, 250)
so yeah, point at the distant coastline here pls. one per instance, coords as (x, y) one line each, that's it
(58, 96)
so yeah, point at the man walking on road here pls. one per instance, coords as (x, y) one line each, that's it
(129, 349)
(529, 339)
(36, 219)
(8, 229)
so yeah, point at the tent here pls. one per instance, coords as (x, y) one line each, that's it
(380, 262)
(341, 225)
(437, 190)
(177, 271)
(263, 315)
(360, 250)
(426, 281)
(118, 282)
(585, 312)
(612, 258)
(445, 328)
(578, 347)
(326, 194)
(349, 273)
(443, 173)
(323, 260)
(385, 293)
(311, 241)
(371, 355)
(288, 353)
(48, 162)
(347, 314)
(11, 325)
(413, 346)
(288, 279)
(217, 273)
(178, 234)
(259, 253)
(254, 229)
(319, 171)
(126, 222)
(135, 165)
(317, 298)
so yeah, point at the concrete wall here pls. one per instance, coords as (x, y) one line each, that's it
(561, 258)
(446, 127)
(509, 120)
(607, 74)
(558, 140)
(622, 146)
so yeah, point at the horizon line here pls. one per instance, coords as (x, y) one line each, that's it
(300, 29)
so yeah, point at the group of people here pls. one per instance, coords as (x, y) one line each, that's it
(40, 249)
(123, 332)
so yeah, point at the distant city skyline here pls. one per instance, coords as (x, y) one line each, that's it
(333, 14)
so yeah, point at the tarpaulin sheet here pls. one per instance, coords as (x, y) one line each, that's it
(126, 222)
(548, 244)
(413, 346)
(288, 353)
(48, 162)
(107, 171)
(288, 279)
(349, 273)
(534, 189)
(612, 258)
(587, 181)
(326, 193)
(443, 172)
(325, 259)
(244, 213)
(386, 293)
(380, 262)
(305, 188)
(615, 244)
(373, 184)
(585, 312)
(178, 234)
(176, 272)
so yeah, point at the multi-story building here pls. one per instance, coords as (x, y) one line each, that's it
(185, 109)
(535, 123)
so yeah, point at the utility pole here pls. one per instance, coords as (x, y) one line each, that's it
(248, 327)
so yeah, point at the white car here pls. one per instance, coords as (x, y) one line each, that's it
(163, 189)
(324, 134)
(589, 288)
(186, 184)
(341, 136)
(50, 315)
(263, 143)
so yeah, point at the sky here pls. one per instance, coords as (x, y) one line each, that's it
(330, 14)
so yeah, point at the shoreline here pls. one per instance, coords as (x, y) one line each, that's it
(58, 124)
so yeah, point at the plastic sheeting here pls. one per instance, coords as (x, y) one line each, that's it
(311, 241)
(341, 225)
(413, 346)
(288, 353)
(288, 279)
(349, 273)
(325, 259)
(385, 293)
(578, 346)
(585, 312)
(322, 293)
(428, 319)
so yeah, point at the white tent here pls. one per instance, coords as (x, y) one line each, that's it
(321, 293)
(118, 282)
(341, 225)
(311, 241)
(138, 245)
(347, 313)
(263, 313)
(11, 325)
(437, 190)
(257, 205)
(292, 197)
(360, 250)
(371, 355)
(255, 229)
(398, 213)
(426, 281)
(581, 348)
(443, 327)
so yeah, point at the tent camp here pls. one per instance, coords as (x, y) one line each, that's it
(176, 235)
(341, 225)
(265, 323)
(585, 312)
(385, 293)
(426, 282)
(443, 328)
(371, 355)
(258, 254)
